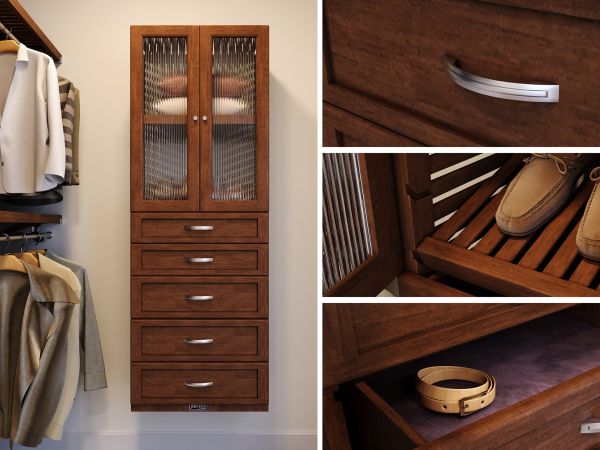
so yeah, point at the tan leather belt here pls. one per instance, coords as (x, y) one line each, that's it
(455, 401)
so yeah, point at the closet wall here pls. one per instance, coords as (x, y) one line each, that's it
(93, 37)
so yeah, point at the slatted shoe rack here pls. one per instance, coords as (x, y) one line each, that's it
(450, 243)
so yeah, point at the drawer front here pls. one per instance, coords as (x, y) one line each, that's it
(199, 383)
(393, 53)
(198, 259)
(205, 297)
(199, 340)
(190, 228)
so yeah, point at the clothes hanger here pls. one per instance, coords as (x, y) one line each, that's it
(9, 46)
(27, 257)
(10, 262)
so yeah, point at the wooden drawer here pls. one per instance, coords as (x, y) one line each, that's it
(548, 384)
(199, 259)
(199, 340)
(215, 297)
(206, 227)
(386, 62)
(155, 383)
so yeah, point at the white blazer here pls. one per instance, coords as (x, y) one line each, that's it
(32, 144)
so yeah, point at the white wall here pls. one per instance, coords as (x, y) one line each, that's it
(93, 37)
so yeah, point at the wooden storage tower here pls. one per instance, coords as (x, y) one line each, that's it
(199, 218)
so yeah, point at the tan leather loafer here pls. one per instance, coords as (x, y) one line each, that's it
(588, 235)
(540, 190)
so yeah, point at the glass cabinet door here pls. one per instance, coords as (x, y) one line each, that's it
(167, 159)
(234, 159)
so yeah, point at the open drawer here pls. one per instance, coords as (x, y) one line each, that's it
(548, 385)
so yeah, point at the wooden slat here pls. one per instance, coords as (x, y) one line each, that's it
(489, 241)
(512, 247)
(493, 274)
(452, 203)
(585, 273)
(472, 205)
(411, 285)
(564, 257)
(548, 238)
(461, 176)
(439, 161)
(478, 225)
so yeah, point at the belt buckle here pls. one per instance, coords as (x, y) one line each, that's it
(461, 404)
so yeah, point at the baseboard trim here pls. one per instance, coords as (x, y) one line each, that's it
(180, 441)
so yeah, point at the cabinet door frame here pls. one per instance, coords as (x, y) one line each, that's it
(261, 202)
(138, 203)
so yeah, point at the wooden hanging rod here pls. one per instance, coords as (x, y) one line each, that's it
(20, 24)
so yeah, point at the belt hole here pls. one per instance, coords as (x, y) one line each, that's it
(444, 406)
(482, 402)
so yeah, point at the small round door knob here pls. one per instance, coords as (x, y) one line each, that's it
(204, 118)
(195, 118)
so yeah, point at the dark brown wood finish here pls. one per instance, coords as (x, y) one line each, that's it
(231, 227)
(26, 30)
(359, 339)
(261, 203)
(176, 259)
(174, 298)
(378, 271)
(551, 418)
(233, 340)
(138, 202)
(385, 63)
(234, 383)
(232, 297)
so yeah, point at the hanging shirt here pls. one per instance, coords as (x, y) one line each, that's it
(32, 143)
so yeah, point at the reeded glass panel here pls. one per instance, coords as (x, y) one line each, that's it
(234, 118)
(346, 236)
(165, 117)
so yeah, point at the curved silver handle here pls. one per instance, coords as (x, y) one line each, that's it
(538, 93)
(198, 385)
(199, 341)
(199, 227)
(590, 427)
(199, 260)
(198, 298)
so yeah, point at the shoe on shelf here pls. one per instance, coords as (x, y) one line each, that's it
(539, 191)
(588, 235)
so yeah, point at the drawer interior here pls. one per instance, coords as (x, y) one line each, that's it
(525, 360)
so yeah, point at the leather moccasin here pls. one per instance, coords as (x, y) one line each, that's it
(539, 190)
(588, 235)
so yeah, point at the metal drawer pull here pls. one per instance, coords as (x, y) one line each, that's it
(199, 227)
(539, 93)
(199, 260)
(198, 298)
(593, 426)
(199, 341)
(198, 385)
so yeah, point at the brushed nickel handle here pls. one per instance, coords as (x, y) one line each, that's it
(538, 93)
(199, 227)
(198, 298)
(198, 385)
(199, 341)
(590, 427)
(199, 260)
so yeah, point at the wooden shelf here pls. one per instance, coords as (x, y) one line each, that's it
(236, 119)
(544, 263)
(28, 218)
(14, 17)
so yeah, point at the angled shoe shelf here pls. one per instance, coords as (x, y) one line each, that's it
(471, 247)
(433, 229)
